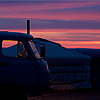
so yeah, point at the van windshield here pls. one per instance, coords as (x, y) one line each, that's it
(34, 49)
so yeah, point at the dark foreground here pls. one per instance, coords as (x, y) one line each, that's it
(72, 95)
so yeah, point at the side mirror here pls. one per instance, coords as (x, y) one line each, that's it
(42, 53)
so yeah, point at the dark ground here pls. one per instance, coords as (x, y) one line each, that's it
(75, 95)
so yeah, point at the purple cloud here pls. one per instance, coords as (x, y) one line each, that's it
(20, 23)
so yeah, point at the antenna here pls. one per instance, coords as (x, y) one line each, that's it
(28, 26)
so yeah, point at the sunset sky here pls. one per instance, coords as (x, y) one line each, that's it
(73, 24)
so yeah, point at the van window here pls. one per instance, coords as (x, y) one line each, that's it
(12, 48)
(34, 49)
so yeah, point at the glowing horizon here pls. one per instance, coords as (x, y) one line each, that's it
(66, 38)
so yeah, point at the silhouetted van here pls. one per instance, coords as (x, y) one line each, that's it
(22, 70)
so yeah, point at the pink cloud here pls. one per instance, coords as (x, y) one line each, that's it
(42, 10)
(78, 44)
(31, 6)
(68, 38)
(58, 11)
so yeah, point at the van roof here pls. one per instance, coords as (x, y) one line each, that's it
(5, 34)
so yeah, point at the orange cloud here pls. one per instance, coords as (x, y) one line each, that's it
(58, 36)
(80, 44)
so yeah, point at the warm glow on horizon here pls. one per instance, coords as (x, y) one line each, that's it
(68, 37)
(54, 30)
(80, 44)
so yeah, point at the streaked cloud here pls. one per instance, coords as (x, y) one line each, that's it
(80, 44)
(20, 23)
(71, 23)
(48, 0)
(51, 10)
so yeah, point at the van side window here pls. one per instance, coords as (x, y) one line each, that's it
(12, 48)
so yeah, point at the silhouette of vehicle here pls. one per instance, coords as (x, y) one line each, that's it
(23, 73)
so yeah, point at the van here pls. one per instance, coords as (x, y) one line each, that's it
(22, 69)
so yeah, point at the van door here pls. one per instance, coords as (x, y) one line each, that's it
(16, 67)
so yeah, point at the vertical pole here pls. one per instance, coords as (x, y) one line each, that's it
(28, 26)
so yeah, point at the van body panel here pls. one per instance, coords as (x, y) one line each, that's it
(20, 72)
